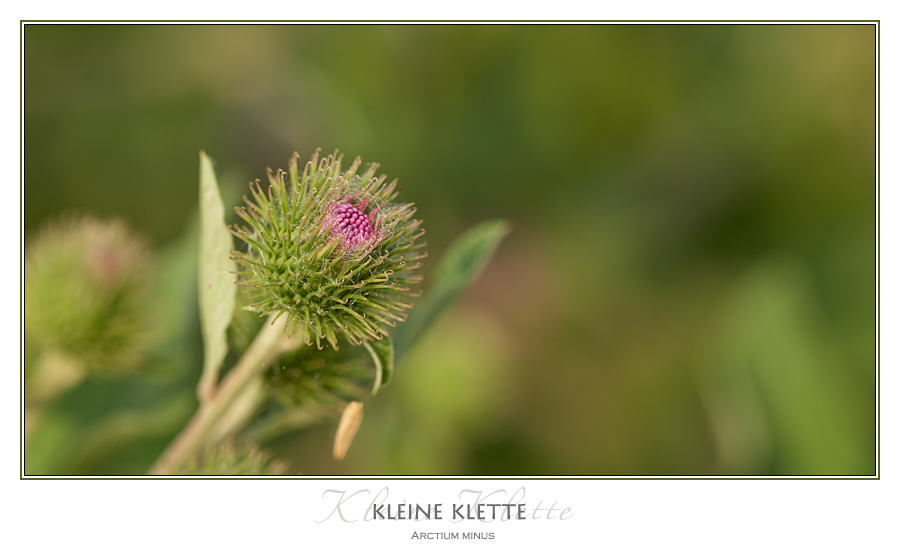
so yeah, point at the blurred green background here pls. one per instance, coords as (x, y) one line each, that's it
(689, 287)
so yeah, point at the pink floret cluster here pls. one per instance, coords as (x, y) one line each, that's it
(351, 223)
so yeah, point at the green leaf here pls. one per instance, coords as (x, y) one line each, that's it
(383, 354)
(108, 426)
(463, 262)
(216, 288)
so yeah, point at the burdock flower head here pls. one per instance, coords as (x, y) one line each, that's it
(329, 249)
(88, 294)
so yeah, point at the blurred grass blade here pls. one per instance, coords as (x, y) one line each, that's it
(463, 262)
(781, 397)
(216, 288)
(383, 354)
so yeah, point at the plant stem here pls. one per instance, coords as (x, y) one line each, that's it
(267, 345)
(55, 372)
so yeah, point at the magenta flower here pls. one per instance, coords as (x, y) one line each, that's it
(351, 224)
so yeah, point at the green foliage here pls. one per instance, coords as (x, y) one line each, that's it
(216, 276)
(314, 380)
(775, 386)
(119, 425)
(230, 459)
(320, 380)
(463, 262)
(382, 352)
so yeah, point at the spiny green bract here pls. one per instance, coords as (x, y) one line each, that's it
(307, 378)
(230, 459)
(330, 249)
(88, 294)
